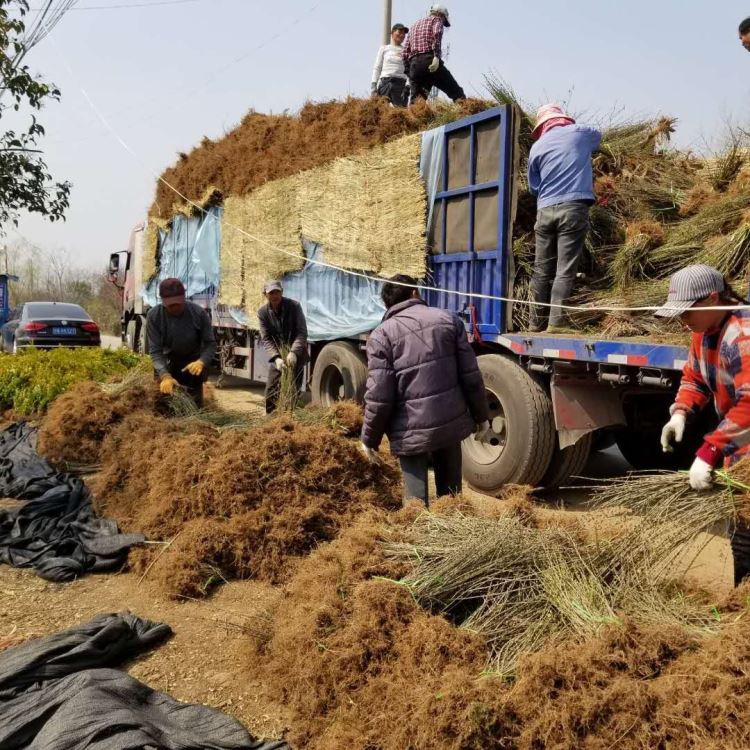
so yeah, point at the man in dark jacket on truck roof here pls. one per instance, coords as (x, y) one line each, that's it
(181, 341)
(283, 332)
(424, 390)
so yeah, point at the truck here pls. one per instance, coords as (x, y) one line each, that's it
(552, 398)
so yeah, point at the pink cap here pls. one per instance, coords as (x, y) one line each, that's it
(549, 112)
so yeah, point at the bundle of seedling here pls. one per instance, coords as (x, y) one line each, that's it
(523, 585)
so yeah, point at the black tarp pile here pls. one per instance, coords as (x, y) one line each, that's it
(60, 693)
(56, 532)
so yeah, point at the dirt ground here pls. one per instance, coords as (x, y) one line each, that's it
(204, 661)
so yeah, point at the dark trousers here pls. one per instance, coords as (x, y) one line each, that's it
(395, 90)
(447, 465)
(274, 382)
(421, 80)
(740, 543)
(560, 238)
(193, 385)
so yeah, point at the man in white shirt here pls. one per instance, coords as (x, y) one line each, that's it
(388, 76)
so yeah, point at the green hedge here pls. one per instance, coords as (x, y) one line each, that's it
(32, 379)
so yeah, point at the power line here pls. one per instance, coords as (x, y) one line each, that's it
(129, 5)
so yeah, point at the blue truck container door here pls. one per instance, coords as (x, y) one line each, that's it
(470, 239)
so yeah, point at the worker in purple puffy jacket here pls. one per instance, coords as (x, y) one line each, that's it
(424, 390)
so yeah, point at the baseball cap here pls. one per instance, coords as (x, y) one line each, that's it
(171, 288)
(399, 27)
(689, 285)
(272, 286)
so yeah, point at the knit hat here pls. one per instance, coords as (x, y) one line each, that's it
(549, 112)
(171, 289)
(689, 285)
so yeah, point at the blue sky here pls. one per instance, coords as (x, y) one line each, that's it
(165, 76)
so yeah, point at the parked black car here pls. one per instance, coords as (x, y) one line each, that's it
(47, 325)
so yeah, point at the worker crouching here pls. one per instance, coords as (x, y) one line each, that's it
(181, 341)
(424, 390)
(283, 333)
(718, 371)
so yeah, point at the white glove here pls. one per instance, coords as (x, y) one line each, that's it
(291, 359)
(483, 432)
(673, 430)
(701, 475)
(279, 364)
(370, 454)
(434, 65)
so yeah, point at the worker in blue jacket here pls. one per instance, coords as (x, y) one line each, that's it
(561, 177)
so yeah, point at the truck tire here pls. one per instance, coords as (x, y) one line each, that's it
(340, 372)
(642, 450)
(132, 334)
(567, 462)
(524, 429)
(142, 337)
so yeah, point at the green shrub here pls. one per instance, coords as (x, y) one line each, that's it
(33, 378)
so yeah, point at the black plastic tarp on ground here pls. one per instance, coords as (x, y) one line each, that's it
(56, 531)
(61, 693)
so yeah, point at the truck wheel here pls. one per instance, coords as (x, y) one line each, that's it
(340, 372)
(567, 462)
(142, 337)
(520, 450)
(132, 340)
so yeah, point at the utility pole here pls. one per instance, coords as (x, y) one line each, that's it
(388, 12)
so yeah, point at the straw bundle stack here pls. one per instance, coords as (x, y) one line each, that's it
(368, 211)
(261, 239)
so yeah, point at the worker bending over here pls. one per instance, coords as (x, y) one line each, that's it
(181, 341)
(423, 57)
(283, 332)
(561, 176)
(424, 390)
(718, 371)
(388, 76)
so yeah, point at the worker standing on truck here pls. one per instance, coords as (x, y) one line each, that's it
(283, 332)
(717, 370)
(388, 76)
(181, 341)
(561, 176)
(424, 390)
(423, 57)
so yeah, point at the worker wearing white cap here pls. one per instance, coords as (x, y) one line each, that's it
(283, 332)
(718, 371)
(423, 57)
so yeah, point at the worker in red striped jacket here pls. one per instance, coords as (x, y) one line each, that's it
(718, 370)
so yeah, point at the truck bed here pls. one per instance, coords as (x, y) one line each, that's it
(589, 348)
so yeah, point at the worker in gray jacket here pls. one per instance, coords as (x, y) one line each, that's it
(283, 333)
(424, 390)
(181, 341)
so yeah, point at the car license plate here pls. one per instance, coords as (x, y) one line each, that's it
(65, 331)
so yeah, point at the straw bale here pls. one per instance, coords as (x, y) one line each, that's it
(368, 211)
(150, 249)
(271, 247)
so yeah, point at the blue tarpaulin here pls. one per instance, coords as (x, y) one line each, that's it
(189, 251)
(336, 304)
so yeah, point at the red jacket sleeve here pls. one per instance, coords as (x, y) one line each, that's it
(733, 432)
(693, 393)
